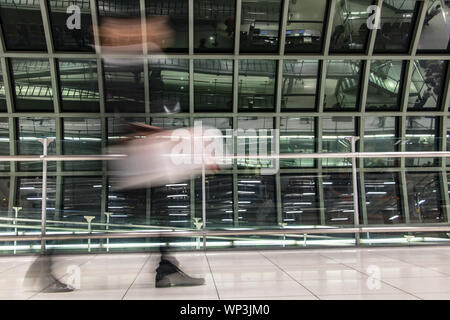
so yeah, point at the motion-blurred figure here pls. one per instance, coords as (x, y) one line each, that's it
(153, 160)
(123, 36)
(40, 276)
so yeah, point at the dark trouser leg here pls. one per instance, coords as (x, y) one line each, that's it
(168, 274)
(40, 276)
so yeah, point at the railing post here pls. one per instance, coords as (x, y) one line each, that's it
(108, 217)
(16, 214)
(204, 202)
(45, 142)
(355, 189)
(89, 221)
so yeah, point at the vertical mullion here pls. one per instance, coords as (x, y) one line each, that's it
(191, 87)
(95, 24)
(406, 85)
(58, 201)
(104, 196)
(237, 28)
(373, 32)
(322, 85)
(191, 27)
(418, 27)
(284, 19)
(319, 186)
(47, 26)
(365, 79)
(12, 195)
(148, 205)
(444, 188)
(146, 62)
(362, 204)
(329, 25)
(361, 179)
(8, 85)
(278, 195)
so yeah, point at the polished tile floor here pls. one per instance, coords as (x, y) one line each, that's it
(360, 273)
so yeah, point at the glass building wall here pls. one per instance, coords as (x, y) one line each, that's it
(271, 75)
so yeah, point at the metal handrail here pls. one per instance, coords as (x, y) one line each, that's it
(421, 154)
(208, 233)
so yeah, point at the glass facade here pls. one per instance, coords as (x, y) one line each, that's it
(305, 25)
(213, 85)
(396, 26)
(299, 85)
(79, 85)
(342, 85)
(260, 26)
(294, 77)
(350, 32)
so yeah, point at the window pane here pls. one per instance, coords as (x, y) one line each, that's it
(29, 197)
(213, 85)
(126, 206)
(436, 29)
(169, 85)
(383, 198)
(29, 131)
(219, 200)
(299, 85)
(385, 84)
(81, 197)
(424, 200)
(342, 85)
(123, 16)
(32, 84)
(255, 137)
(22, 25)
(124, 85)
(427, 81)
(335, 132)
(256, 195)
(177, 13)
(170, 205)
(397, 23)
(260, 22)
(300, 199)
(350, 32)
(170, 123)
(297, 135)
(4, 142)
(76, 38)
(305, 25)
(79, 85)
(338, 198)
(257, 85)
(214, 25)
(380, 135)
(82, 136)
(2, 93)
(4, 196)
(421, 135)
(118, 128)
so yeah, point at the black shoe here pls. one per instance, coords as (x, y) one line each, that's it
(176, 278)
(58, 286)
